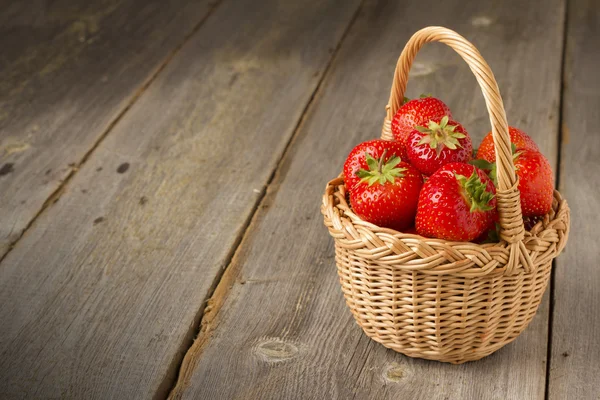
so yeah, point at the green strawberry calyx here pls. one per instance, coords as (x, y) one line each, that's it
(441, 135)
(475, 192)
(488, 166)
(380, 170)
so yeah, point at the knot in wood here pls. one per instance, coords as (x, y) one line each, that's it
(276, 350)
(394, 372)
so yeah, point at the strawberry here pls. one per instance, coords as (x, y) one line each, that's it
(356, 159)
(536, 180)
(417, 112)
(442, 142)
(387, 192)
(456, 203)
(519, 138)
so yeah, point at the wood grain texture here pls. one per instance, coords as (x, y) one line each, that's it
(103, 294)
(67, 70)
(284, 331)
(575, 361)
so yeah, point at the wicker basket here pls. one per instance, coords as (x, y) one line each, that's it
(439, 300)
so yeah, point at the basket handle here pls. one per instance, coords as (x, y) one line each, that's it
(507, 194)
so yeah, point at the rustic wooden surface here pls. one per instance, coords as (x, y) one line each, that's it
(305, 343)
(103, 294)
(575, 362)
(68, 69)
(145, 153)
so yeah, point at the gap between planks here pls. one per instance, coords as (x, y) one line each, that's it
(560, 138)
(207, 319)
(55, 196)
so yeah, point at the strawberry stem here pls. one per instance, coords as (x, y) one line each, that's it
(380, 170)
(475, 192)
(381, 160)
(440, 135)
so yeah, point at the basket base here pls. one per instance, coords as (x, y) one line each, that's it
(441, 356)
(442, 319)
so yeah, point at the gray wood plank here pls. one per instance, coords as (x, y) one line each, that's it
(67, 70)
(575, 360)
(278, 327)
(103, 294)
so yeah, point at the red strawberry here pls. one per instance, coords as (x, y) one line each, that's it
(536, 180)
(417, 112)
(442, 142)
(356, 159)
(456, 203)
(519, 138)
(387, 193)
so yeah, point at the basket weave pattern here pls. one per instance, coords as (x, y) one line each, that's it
(439, 300)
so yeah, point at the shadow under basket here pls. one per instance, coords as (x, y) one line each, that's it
(446, 301)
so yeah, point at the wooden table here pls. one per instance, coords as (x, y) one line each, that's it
(161, 171)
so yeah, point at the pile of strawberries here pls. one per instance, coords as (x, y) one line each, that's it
(426, 180)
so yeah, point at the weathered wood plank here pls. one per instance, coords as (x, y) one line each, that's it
(575, 361)
(283, 331)
(103, 294)
(67, 70)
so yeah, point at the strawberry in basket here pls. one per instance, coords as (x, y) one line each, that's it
(443, 141)
(417, 112)
(356, 160)
(519, 138)
(457, 203)
(387, 190)
(536, 180)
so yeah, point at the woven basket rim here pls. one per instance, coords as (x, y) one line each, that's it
(545, 240)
